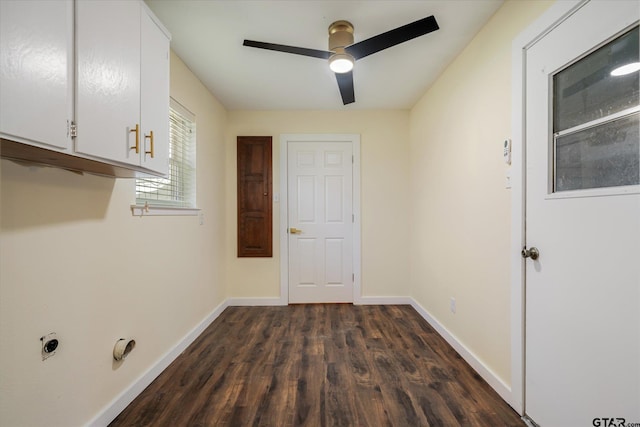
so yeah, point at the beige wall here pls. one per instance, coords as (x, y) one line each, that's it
(73, 260)
(461, 208)
(385, 199)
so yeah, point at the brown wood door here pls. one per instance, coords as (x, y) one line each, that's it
(254, 197)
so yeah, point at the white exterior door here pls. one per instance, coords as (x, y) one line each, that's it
(320, 221)
(582, 357)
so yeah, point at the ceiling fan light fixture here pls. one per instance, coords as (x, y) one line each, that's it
(340, 36)
(341, 62)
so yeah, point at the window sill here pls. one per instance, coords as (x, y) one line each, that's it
(149, 210)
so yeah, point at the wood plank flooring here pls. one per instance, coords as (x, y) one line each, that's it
(319, 365)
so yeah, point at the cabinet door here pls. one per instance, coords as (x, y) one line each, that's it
(108, 79)
(36, 48)
(254, 197)
(154, 99)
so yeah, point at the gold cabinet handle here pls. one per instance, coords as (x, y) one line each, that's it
(293, 230)
(150, 136)
(137, 131)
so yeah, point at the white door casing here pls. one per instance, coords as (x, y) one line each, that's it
(320, 197)
(583, 294)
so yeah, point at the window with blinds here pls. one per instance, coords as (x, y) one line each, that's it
(179, 188)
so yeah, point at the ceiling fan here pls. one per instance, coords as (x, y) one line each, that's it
(343, 53)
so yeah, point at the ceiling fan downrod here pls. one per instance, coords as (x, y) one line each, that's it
(340, 35)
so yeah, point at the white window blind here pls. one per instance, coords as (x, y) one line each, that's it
(178, 190)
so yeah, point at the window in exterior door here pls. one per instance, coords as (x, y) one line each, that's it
(596, 118)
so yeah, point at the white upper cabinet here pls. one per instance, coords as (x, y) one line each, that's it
(122, 93)
(103, 65)
(36, 62)
(154, 99)
(108, 79)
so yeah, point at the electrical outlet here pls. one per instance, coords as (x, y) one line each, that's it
(452, 305)
(49, 345)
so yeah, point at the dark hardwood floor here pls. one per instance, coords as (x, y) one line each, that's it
(319, 365)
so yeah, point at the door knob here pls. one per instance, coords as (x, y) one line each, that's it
(293, 230)
(532, 253)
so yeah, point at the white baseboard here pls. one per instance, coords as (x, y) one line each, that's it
(267, 301)
(487, 374)
(111, 411)
(383, 301)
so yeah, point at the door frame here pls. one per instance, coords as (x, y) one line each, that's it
(550, 19)
(285, 139)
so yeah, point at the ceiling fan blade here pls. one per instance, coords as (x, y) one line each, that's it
(288, 49)
(392, 37)
(345, 84)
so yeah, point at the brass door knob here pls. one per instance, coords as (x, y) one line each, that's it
(293, 230)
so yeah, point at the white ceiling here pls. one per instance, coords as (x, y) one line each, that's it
(208, 36)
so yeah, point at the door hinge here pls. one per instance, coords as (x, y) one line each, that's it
(353, 218)
(352, 159)
(528, 421)
(72, 129)
(353, 277)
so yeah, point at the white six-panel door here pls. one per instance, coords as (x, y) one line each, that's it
(583, 292)
(320, 221)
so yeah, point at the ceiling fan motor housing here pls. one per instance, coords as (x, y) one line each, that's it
(340, 35)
